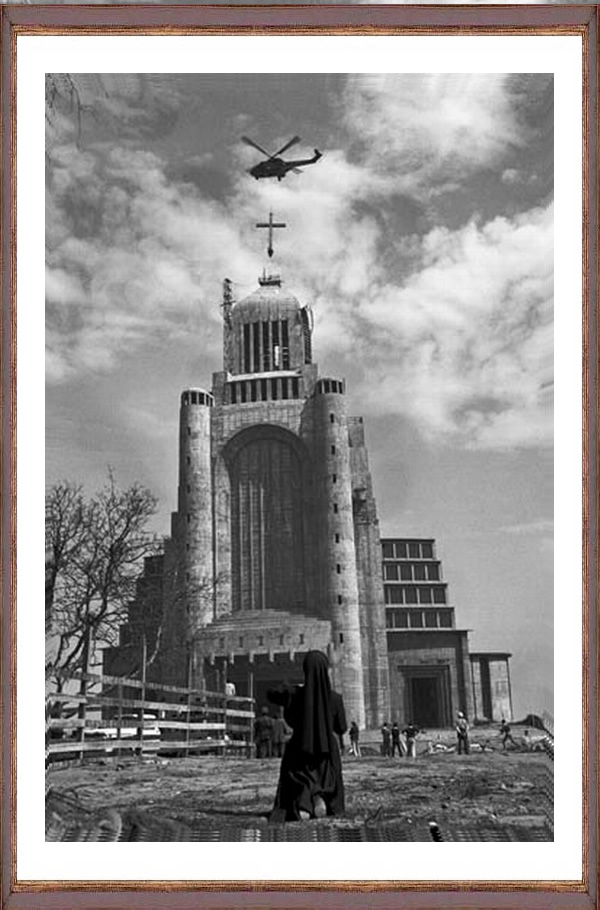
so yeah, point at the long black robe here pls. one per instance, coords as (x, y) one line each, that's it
(311, 765)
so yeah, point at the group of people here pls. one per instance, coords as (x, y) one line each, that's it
(270, 735)
(404, 741)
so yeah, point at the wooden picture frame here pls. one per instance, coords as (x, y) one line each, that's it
(300, 20)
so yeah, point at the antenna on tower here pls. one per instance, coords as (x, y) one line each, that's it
(227, 306)
(227, 301)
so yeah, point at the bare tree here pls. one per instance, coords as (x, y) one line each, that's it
(94, 552)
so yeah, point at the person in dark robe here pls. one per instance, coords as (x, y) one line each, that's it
(310, 779)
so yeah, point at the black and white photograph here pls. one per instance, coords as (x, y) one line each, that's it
(299, 457)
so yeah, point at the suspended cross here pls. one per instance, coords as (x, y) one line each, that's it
(270, 224)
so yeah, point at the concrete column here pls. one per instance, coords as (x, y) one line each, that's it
(337, 552)
(195, 508)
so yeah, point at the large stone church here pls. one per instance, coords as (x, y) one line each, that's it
(275, 546)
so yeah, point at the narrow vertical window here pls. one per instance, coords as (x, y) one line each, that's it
(285, 345)
(274, 389)
(332, 418)
(247, 368)
(256, 346)
(266, 347)
(284, 388)
(233, 388)
(276, 359)
(263, 389)
(295, 389)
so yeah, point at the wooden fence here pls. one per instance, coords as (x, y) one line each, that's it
(116, 716)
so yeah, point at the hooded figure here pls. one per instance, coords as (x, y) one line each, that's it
(310, 780)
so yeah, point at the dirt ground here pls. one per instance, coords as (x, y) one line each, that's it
(483, 796)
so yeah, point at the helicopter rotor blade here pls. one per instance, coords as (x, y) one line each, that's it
(287, 146)
(256, 146)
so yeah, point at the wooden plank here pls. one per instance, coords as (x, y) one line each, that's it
(62, 697)
(98, 701)
(91, 725)
(151, 684)
(162, 687)
(102, 745)
(182, 725)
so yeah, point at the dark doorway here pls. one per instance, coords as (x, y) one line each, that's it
(425, 699)
(254, 678)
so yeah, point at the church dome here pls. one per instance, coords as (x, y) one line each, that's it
(268, 331)
(267, 303)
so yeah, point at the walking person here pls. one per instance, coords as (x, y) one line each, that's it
(263, 727)
(506, 734)
(310, 778)
(462, 733)
(354, 734)
(280, 733)
(397, 741)
(411, 731)
(386, 740)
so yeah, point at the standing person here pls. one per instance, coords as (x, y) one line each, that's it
(386, 740)
(462, 733)
(354, 734)
(263, 726)
(280, 733)
(310, 779)
(506, 734)
(397, 742)
(411, 731)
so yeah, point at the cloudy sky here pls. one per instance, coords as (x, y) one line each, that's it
(423, 240)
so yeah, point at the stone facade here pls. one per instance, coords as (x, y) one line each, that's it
(275, 546)
(275, 542)
(492, 694)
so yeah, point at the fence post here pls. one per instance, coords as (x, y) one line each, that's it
(142, 697)
(188, 707)
(119, 716)
(81, 710)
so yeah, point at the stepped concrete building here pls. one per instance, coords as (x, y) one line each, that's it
(275, 547)
(432, 673)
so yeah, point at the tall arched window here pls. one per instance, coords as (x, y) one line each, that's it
(267, 526)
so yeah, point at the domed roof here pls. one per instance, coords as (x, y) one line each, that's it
(269, 301)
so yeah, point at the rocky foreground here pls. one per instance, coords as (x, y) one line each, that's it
(487, 795)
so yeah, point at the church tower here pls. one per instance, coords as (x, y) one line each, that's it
(276, 522)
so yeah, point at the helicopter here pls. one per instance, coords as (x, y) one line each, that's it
(275, 166)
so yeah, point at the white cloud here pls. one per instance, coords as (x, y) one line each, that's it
(465, 343)
(463, 329)
(136, 252)
(423, 129)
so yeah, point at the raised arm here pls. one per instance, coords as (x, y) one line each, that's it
(339, 715)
